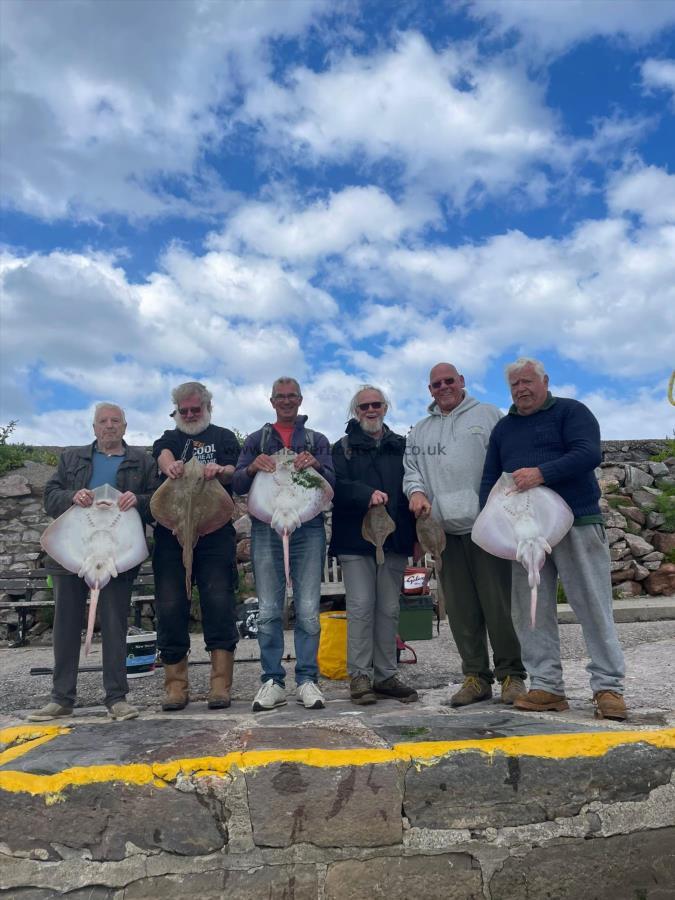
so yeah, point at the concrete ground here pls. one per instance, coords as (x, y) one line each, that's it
(347, 802)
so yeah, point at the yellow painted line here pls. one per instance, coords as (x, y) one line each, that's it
(24, 738)
(552, 746)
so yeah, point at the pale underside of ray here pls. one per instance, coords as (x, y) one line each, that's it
(286, 498)
(432, 539)
(524, 526)
(97, 543)
(191, 507)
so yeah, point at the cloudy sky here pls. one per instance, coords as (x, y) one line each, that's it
(232, 190)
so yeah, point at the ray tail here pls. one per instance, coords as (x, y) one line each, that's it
(93, 603)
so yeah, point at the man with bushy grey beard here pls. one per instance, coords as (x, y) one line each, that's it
(213, 563)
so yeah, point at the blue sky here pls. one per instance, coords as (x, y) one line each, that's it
(344, 192)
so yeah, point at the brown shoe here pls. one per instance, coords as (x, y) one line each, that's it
(222, 668)
(473, 690)
(513, 687)
(361, 691)
(176, 686)
(610, 705)
(541, 701)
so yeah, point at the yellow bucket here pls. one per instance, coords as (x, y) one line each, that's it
(333, 646)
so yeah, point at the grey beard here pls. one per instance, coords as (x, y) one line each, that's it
(372, 426)
(193, 427)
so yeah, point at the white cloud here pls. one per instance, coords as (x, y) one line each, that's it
(325, 227)
(649, 192)
(645, 413)
(659, 74)
(555, 25)
(461, 125)
(109, 106)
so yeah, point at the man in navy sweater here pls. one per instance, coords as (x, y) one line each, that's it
(556, 441)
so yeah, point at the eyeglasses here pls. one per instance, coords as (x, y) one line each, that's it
(436, 384)
(374, 404)
(184, 410)
(286, 397)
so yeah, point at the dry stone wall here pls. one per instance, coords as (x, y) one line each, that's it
(641, 536)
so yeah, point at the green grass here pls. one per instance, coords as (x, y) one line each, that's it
(13, 456)
(665, 504)
(667, 452)
(617, 501)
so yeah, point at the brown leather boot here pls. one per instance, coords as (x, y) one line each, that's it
(176, 686)
(222, 667)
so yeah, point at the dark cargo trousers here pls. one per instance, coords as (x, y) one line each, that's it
(477, 591)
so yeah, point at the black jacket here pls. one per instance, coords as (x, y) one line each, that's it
(370, 466)
(137, 473)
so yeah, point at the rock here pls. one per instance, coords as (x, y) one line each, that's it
(658, 468)
(666, 481)
(638, 546)
(655, 519)
(14, 486)
(664, 541)
(614, 519)
(244, 550)
(608, 485)
(614, 535)
(632, 512)
(628, 589)
(636, 478)
(645, 499)
(652, 565)
(622, 574)
(654, 556)
(608, 470)
(639, 572)
(662, 581)
(632, 527)
(243, 526)
(618, 551)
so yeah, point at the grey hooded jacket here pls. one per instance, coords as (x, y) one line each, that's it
(444, 459)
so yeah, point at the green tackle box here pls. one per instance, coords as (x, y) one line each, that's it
(416, 618)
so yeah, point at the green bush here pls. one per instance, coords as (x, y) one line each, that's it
(13, 456)
(665, 504)
(667, 452)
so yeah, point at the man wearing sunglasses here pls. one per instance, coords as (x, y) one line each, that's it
(307, 552)
(369, 472)
(213, 565)
(444, 460)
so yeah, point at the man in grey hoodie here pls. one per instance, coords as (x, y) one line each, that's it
(443, 464)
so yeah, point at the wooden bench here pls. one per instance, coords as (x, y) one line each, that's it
(26, 584)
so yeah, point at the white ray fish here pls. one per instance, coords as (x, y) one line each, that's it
(522, 525)
(96, 543)
(286, 498)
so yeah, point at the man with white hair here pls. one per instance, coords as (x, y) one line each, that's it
(556, 441)
(368, 464)
(443, 467)
(307, 551)
(108, 460)
(213, 562)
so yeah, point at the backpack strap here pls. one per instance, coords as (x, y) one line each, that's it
(265, 437)
(346, 447)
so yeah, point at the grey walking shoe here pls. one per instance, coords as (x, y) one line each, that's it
(50, 711)
(395, 688)
(513, 687)
(361, 691)
(122, 711)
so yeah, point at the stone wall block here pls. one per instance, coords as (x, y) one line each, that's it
(473, 790)
(14, 486)
(297, 881)
(640, 866)
(645, 499)
(632, 512)
(614, 519)
(658, 468)
(357, 806)
(614, 535)
(662, 581)
(627, 589)
(637, 478)
(638, 546)
(447, 876)
(664, 541)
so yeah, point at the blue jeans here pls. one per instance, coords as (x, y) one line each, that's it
(307, 551)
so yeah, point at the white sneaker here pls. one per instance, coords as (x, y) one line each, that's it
(269, 696)
(310, 696)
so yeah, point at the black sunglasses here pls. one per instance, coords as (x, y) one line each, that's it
(184, 410)
(436, 384)
(375, 404)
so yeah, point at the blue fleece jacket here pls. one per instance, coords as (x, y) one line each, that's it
(562, 439)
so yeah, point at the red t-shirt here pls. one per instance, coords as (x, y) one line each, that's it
(285, 432)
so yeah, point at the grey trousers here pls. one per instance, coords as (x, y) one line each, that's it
(477, 591)
(581, 560)
(373, 602)
(70, 597)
